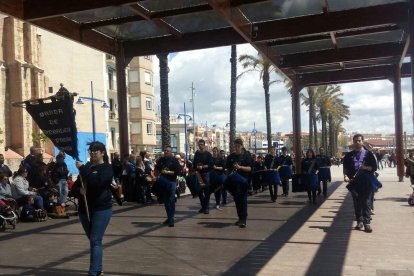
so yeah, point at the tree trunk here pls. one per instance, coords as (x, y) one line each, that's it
(266, 80)
(165, 101)
(331, 135)
(315, 129)
(311, 108)
(324, 132)
(233, 62)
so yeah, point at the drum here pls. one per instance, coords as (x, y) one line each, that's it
(216, 181)
(324, 174)
(285, 172)
(161, 186)
(310, 181)
(297, 184)
(193, 184)
(235, 184)
(269, 176)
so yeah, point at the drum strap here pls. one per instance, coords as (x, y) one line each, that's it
(273, 162)
(311, 166)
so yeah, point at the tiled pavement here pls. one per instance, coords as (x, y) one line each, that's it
(291, 237)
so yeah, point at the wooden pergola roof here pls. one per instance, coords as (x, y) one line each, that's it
(314, 42)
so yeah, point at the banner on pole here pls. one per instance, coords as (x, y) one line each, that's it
(55, 116)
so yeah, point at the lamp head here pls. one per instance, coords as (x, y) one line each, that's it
(104, 105)
(79, 101)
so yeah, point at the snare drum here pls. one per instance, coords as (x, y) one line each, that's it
(193, 184)
(324, 174)
(285, 172)
(235, 184)
(269, 176)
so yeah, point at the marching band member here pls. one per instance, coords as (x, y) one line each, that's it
(218, 179)
(241, 164)
(309, 168)
(271, 162)
(168, 168)
(203, 164)
(285, 170)
(324, 173)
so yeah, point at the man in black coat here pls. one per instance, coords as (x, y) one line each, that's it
(359, 167)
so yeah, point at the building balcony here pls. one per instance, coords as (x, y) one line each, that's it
(112, 115)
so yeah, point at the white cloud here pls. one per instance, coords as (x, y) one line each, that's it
(371, 103)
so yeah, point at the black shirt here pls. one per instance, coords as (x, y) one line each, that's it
(244, 160)
(307, 166)
(170, 163)
(268, 162)
(219, 162)
(201, 159)
(323, 160)
(351, 157)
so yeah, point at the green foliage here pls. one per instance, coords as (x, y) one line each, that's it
(1, 140)
(39, 138)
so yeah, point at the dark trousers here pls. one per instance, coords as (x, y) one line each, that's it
(324, 187)
(241, 205)
(285, 186)
(204, 194)
(273, 191)
(312, 195)
(362, 207)
(169, 202)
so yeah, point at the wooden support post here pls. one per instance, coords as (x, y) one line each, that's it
(297, 147)
(399, 149)
(122, 101)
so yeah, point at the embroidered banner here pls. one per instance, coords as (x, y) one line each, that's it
(56, 118)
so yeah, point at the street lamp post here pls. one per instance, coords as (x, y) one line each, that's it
(93, 100)
(254, 132)
(185, 131)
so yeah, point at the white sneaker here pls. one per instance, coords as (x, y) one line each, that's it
(218, 207)
(372, 212)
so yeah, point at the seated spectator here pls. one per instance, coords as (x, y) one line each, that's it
(5, 192)
(20, 190)
(30, 212)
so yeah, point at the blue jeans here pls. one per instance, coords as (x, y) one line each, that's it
(169, 202)
(63, 190)
(95, 230)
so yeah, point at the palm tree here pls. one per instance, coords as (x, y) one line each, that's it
(265, 68)
(165, 101)
(337, 113)
(310, 101)
(326, 95)
(233, 90)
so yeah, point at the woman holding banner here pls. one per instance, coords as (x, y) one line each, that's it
(95, 204)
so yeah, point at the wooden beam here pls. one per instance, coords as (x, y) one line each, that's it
(335, 21)
(157, 21)
(341, 55)
(112, 21)
(191, 41)
(69, 29)
(352, 75)
(39, 9)
(12, 7)
(343, 33)
(240, 23)
(404, 51)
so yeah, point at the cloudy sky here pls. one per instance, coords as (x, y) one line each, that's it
(371, 103)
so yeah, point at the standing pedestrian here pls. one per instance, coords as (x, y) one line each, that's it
(359, 167)
(96, 176)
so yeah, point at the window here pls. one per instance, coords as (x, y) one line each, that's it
(147, 78)
(136, 128)
(113, 137)
(148, 103)
(149, 128)
(111, 104)
(134, 103)
(110, 80)
(133, 76)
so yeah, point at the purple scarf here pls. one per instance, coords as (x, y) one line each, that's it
(358, 161)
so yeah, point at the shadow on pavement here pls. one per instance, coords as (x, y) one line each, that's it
(256, 259)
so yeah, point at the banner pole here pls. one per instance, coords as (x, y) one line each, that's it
(84, 199)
